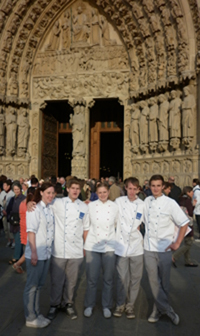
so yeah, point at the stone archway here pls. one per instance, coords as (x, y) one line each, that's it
(161, 42)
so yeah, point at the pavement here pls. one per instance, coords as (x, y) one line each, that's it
(184, 298)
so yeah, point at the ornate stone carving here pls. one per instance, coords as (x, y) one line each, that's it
(2, 20)
(80, 26)
(134, 129)
(2, 131)
(55, 37)
(188, 107)
(95, 28)
(66, 27)
(163, 123)
(11, 129)
(153, 127)
(23, 132)
(78, 124)
(143, 126)
(137, 10)
(175, 120)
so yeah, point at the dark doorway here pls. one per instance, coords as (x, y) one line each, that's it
(106, 138)
(64, 154)
(111, 154)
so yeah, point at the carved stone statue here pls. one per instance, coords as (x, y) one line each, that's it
(106, 33)
(143, 126)
(55, 37)
(95, 34)
(134, 130)
(153, 127)
(80, 26)
(66, 26)
(137, 10)
(163, 122)
(2, 131)
(23, 132)
(11, 129)
(175, 120)
(188, 107)
(78, 130)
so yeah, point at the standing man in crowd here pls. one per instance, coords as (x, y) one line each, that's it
(175, 192)
(114, 189)
(146, 188)
(161, 213)
(129, 249)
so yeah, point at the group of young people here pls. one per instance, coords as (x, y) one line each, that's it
(62, 230)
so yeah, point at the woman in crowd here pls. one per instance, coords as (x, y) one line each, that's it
(99, 248)
(14, 219)
(196, 197)
(186, 202)
(40, 228)
(23, 234)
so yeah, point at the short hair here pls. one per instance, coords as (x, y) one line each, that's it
(73, 181)
(8, 182)
(112, 179)
(17, 184)
(186, 190)
(34, 180)
(133, 180)
(167, 185)
(156, 177)
(102, 185)
(37, 196)
(53, 179)
(58, 188)
(196, 180)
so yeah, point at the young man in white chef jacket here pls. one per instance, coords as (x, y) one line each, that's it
(129, 249)
(71, 217)
(161, 214)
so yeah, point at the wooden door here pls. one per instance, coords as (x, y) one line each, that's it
(95, 150)
(49, 146)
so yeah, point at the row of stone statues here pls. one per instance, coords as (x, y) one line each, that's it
(14, 132)
(162, 121)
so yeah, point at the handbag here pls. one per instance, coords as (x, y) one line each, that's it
(14, 219)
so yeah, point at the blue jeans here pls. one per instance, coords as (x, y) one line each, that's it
(36, 276)
(18, 246)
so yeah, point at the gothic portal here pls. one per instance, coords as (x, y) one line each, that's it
(144, 54)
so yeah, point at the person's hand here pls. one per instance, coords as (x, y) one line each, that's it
(4, 212)
(194, 202)
(34, 258)
(87, 202)
(173, 246)
(31, 206)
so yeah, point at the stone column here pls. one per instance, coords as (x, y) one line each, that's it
(127, 143)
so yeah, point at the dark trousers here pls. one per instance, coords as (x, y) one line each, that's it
(198, 223)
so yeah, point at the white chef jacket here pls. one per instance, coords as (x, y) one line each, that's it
(102, 221)
(129, 240)
(196, 196)
(41, 222)
(71, 219)
(160, 216)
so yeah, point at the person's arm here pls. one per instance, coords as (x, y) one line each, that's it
(174, 246)
(34, 257)
(85, 233)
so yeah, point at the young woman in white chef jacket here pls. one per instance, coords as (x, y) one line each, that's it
(100, 250)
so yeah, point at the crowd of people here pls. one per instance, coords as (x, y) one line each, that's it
(117, 226)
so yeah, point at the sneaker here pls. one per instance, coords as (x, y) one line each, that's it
(88, 312)
(12, 245)
(154, 317)
(42, 318)
(173, 317)
(37, 323)
(70, 311)
(52, 313)
(106, 313)
(8, 244)
(118, 311)
(130, 314)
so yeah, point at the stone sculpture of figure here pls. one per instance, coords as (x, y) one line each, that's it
(95, 34)
(153, 117)
(137, 10)
(175, 115)
(23, 132)
(163, 123)
(2, 131)
(80, 26)
(11, 128)
(78, 130)
(188, 107)
(134, 129)
(55, 37)
(143, 125)
(106, 33)
(66, 26)
(148, 4)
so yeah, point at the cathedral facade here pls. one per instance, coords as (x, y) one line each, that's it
(143, 54)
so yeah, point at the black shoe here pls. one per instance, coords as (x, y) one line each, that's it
(70, 311)
(191, 265)
(52, 313)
